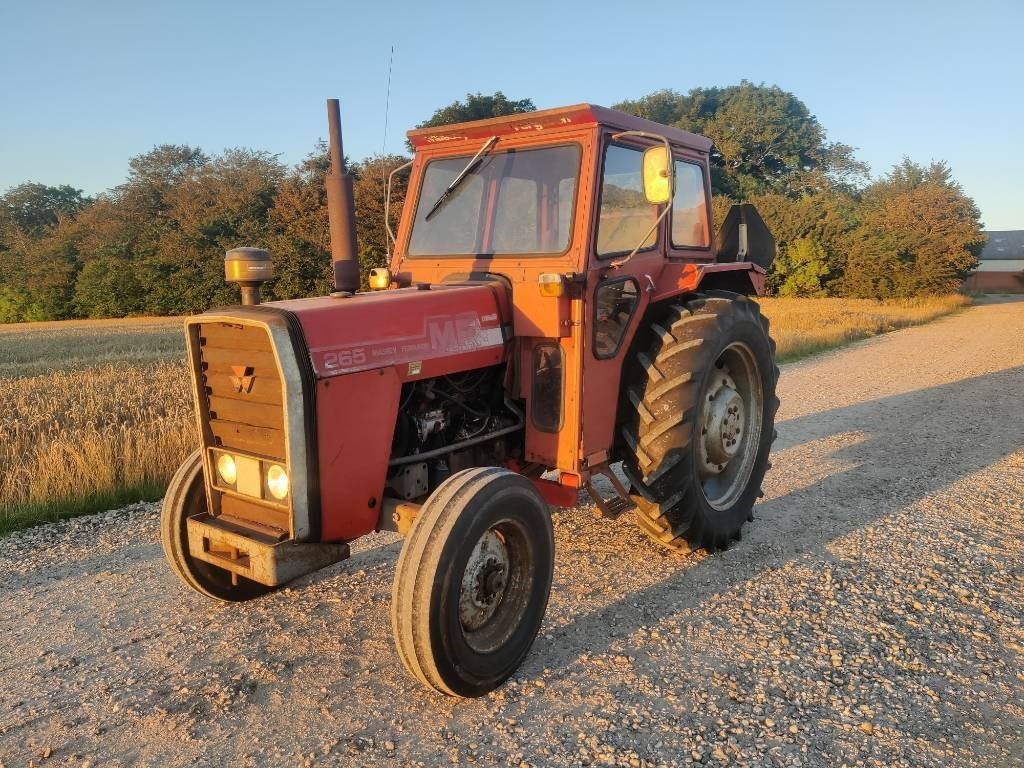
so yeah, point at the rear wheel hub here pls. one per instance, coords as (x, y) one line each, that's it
(731, 425)
(724, 425)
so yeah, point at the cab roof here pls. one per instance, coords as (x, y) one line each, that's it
(559, 118)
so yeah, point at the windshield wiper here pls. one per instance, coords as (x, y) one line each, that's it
(470, 167)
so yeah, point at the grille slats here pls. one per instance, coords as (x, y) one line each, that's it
(244, 395)
(237, 337)
(261, 441)
(265, 390)
(262, 359)
(252, 414)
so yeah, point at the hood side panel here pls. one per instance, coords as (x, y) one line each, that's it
(419, 332)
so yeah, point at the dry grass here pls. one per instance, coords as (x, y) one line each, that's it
(803, 327)
(98, 415)
(28, 349)
(99, 412)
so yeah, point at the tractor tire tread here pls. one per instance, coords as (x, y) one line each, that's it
(673, 352)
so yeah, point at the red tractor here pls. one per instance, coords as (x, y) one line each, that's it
(556, 303)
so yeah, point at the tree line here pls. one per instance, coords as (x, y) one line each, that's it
(155, 243)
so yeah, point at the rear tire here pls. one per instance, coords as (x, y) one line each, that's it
(472, 581)
(185, 497)
(698, 420)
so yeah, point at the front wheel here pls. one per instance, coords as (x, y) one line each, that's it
(472, 581)
(699, 420)
(185, 498)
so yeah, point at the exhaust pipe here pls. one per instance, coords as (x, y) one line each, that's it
(341, 210)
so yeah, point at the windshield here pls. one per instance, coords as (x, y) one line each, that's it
(517, 202)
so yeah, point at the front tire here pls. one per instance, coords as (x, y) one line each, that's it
(472, 581)
(186, 497)
(699, 420)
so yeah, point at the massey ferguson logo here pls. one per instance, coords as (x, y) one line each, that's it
(441, 335)
(243, 378)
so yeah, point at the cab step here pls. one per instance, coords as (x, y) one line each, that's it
(614, 505)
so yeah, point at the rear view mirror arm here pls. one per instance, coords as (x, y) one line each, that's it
(391, 240)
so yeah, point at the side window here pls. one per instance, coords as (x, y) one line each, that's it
(625, 216)
(689, 211)
(614, 303)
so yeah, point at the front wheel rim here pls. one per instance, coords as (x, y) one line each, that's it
(496, 584)
(730, 425)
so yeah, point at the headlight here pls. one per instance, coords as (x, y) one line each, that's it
(277, 482)
(226, 469)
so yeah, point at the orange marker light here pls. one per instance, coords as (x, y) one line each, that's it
(380, 279)
(551, 284)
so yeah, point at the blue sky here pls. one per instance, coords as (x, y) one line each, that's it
(86, 85)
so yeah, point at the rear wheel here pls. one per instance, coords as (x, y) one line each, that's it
(186, 497)
(472, 581)
(698, 420)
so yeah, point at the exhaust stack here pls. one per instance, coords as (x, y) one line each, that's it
(341, 210)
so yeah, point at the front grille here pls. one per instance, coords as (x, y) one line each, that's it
(243, 389)
(242, 402)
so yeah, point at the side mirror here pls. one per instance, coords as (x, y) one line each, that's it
(657, 175)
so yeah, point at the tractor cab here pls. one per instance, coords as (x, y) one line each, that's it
(589, 216)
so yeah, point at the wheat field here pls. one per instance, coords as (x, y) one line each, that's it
(99, 413)
(804, 327)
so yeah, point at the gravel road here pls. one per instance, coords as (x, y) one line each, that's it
(871, 615)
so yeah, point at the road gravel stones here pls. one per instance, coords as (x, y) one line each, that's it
(871, 615)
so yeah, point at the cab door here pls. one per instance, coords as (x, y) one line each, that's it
(616, 294)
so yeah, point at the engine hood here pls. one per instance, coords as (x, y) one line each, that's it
(419, 332)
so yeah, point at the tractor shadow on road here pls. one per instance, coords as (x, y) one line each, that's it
(904, 448)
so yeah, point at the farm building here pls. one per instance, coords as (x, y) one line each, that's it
(1001, 267)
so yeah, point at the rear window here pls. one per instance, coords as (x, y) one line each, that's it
(689, 210)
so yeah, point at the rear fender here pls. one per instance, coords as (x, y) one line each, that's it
(680, 278)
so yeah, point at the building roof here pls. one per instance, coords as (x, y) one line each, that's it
(551, 120)
(1004, 245)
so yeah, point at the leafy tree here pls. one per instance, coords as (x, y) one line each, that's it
(824, 218)
(42, 273)
(155, 243)
(38, 262)
(300, 239)
(154, 175)
(918, 234)
(222, 204)
(31, 209)
(477, 106)
(109, 285)
(799, 269)
(765, 138)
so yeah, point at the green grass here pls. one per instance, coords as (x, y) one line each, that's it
(36, 513)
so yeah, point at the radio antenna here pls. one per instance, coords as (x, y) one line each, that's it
(387, 110)
(383, 150)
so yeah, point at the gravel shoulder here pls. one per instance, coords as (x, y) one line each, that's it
(871, 615)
